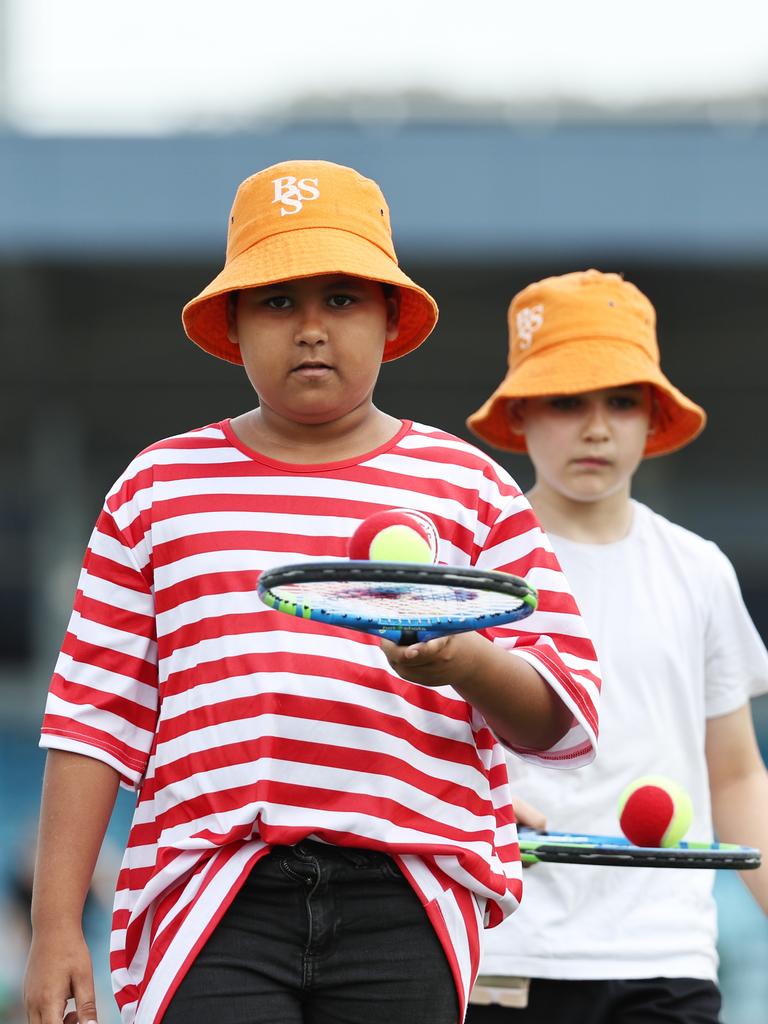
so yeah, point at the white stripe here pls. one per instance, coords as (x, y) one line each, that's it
(513, 549)
(136, 557)
(111, 639)
(104, 722)
(98, 589)
(548, 579)
(80, 673)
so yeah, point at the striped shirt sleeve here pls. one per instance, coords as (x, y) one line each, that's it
(554, 639)
(102, 701)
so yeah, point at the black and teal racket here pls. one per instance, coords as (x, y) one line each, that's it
(616, 851)
(403, 601)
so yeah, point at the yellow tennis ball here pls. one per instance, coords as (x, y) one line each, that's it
(395, 535)
(655, 811)
(400, 544)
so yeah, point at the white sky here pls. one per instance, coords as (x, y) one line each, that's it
(152, 65)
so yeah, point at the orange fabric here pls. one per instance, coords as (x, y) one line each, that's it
(584, 332)
(300, 219)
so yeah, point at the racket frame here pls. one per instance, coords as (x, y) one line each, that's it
(402, 630)
(616, 851)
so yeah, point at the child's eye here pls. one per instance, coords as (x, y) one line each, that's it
(623, 402)
(278, 302)
(565, 403)
(340, 301)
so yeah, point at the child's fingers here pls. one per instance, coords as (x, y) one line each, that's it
(529, 815)
(85, 1001)
(51, 1010)
(47, 996)
(424, 651)
(413, 652)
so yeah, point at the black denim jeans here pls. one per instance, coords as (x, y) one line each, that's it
(320, 935)
(639, 1001)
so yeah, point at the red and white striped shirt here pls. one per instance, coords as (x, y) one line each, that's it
(242, 728)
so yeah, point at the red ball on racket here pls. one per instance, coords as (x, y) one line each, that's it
(395, 535)
(655, 811)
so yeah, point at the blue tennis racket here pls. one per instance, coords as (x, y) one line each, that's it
(402, 601)
(617, 851)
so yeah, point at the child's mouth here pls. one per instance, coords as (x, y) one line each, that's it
(312, 369)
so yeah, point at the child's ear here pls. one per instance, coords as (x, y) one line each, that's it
(232, 318)
(393, 314)
(515, 410)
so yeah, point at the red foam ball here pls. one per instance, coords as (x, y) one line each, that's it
(414, 525)
(655, 811)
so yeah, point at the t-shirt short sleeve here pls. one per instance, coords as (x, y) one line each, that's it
(554, 639)
(102, 700)
(736, 666)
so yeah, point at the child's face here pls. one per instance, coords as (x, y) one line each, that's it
(586, 447)
(312, 348)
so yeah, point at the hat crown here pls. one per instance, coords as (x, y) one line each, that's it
(305, 194)
(304, 218)
(586, 305)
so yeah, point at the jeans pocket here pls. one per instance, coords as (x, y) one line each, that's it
(389, 869)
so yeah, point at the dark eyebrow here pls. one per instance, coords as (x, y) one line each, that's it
(345, 281)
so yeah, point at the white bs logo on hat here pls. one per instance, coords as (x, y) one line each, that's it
(294, 192)
(528, 321)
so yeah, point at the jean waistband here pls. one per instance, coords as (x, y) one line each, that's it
(357, 856)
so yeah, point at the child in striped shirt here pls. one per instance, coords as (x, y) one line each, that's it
(323, 826)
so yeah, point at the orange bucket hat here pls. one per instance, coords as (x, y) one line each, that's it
(300, 219)
(584, 332)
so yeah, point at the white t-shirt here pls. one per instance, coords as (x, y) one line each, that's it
(676, 646)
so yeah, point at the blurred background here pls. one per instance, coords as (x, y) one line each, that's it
(512, 141)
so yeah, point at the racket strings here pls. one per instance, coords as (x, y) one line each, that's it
(416, 602)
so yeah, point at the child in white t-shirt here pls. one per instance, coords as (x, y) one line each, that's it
(586, 398)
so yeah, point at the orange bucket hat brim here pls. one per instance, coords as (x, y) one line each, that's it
(585, 332)
(344, 229)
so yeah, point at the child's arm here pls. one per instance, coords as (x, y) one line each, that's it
(78, 797)
(738, 783)
(513, 698)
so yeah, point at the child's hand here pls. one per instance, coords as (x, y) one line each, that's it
(444, 661)
(59, 969)
(528, 815)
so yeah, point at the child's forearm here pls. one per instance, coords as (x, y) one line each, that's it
(518, 704)
(738, 783)
(515, 700)
(739, 812)
(78, 797)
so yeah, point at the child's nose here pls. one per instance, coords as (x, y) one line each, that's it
(596, 425)
(311, 328)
